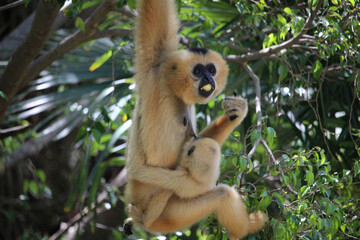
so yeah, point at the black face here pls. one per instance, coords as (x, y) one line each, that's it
(205, 74)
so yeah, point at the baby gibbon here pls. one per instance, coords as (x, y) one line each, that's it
(201, 160)
(169, 82)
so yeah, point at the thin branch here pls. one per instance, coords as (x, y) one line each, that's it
(126, 11)
(272, 157)
(356, 95)
(256, 81)
(13, 130)
(71, 42)
(11, 5)
(277, 48)
(253, 150)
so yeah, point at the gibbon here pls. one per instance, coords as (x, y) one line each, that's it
(169, 82)
(201, 160)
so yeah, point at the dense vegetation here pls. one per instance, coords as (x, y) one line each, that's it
(67, 96)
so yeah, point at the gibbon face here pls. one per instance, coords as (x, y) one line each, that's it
(195, 75)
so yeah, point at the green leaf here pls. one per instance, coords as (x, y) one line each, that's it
(356, 169)
(98, 63)
(79, 23)
(283, 72)
(251, 166)
(3, 95)
(309, 177)
(304, 190)
(288, 10)
(281, 19)
(274, 172)
(335, 2)
(26, 186)
(352, 2)
(88, 4)
(26, 3)
(131, 4)
(243, 163)
(41, 175)
(280, 200)
(265, 202)
(323, 158)
(120, 3)
(34, 187)
(317, 69)
(286, 180)
(255, 135)
(234, 161)
(271, 134)
(97, 134)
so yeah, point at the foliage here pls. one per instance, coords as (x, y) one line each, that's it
(305, 169)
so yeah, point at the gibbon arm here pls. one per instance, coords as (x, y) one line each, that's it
(236, 109)
(155, 34)
(177, 181)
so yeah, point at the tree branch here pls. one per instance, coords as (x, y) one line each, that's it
(111, 33)
(277, 48)
(30, 148)
(11, 5)
(71, 42)
(256, 81)
(14, 73)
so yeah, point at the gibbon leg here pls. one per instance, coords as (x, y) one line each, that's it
(155, 207)
(224, 201)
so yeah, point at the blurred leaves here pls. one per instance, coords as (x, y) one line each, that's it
(310, 105)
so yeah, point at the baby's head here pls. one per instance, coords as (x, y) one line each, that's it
(201, 157)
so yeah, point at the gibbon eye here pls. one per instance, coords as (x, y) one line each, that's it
(211, 68)
(198, 70)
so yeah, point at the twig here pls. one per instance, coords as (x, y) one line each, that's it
(277, 48)
(126, 11)
(256, 81)
(268, 150)
(13, 130)
(356, 95)
(11, 5)
(252, 151)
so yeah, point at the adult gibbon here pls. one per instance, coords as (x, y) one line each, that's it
(169, 82)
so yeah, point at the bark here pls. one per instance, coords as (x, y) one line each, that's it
(13, 75)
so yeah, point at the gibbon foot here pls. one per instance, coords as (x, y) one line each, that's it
(127, 228)
(235, 107)
(136, 214)
(257, 221)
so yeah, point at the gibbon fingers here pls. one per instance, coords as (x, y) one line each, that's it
(169, 82)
